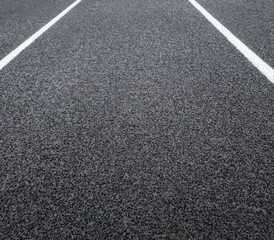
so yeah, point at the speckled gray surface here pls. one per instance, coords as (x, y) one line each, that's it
(252, 21)
(19, 19)
(135, 120)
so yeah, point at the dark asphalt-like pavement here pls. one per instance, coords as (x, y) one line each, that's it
(19, 19)
(135, 120)
(251, 21)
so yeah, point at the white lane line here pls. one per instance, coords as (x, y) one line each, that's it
(30, 40)
(263, 67)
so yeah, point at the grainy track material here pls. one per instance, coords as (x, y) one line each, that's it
(21, 18)
(134, 120)
(251, 21)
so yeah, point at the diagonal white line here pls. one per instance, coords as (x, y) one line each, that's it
(263, 67)
(30, 40)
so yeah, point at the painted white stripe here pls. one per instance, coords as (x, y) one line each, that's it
(263, 67)
(30, 40)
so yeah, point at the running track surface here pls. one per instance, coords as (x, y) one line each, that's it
(136, 120)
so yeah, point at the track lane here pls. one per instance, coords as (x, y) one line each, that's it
(135, 121)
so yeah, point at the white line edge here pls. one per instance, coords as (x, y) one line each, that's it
(263, 67)
(30, 40)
